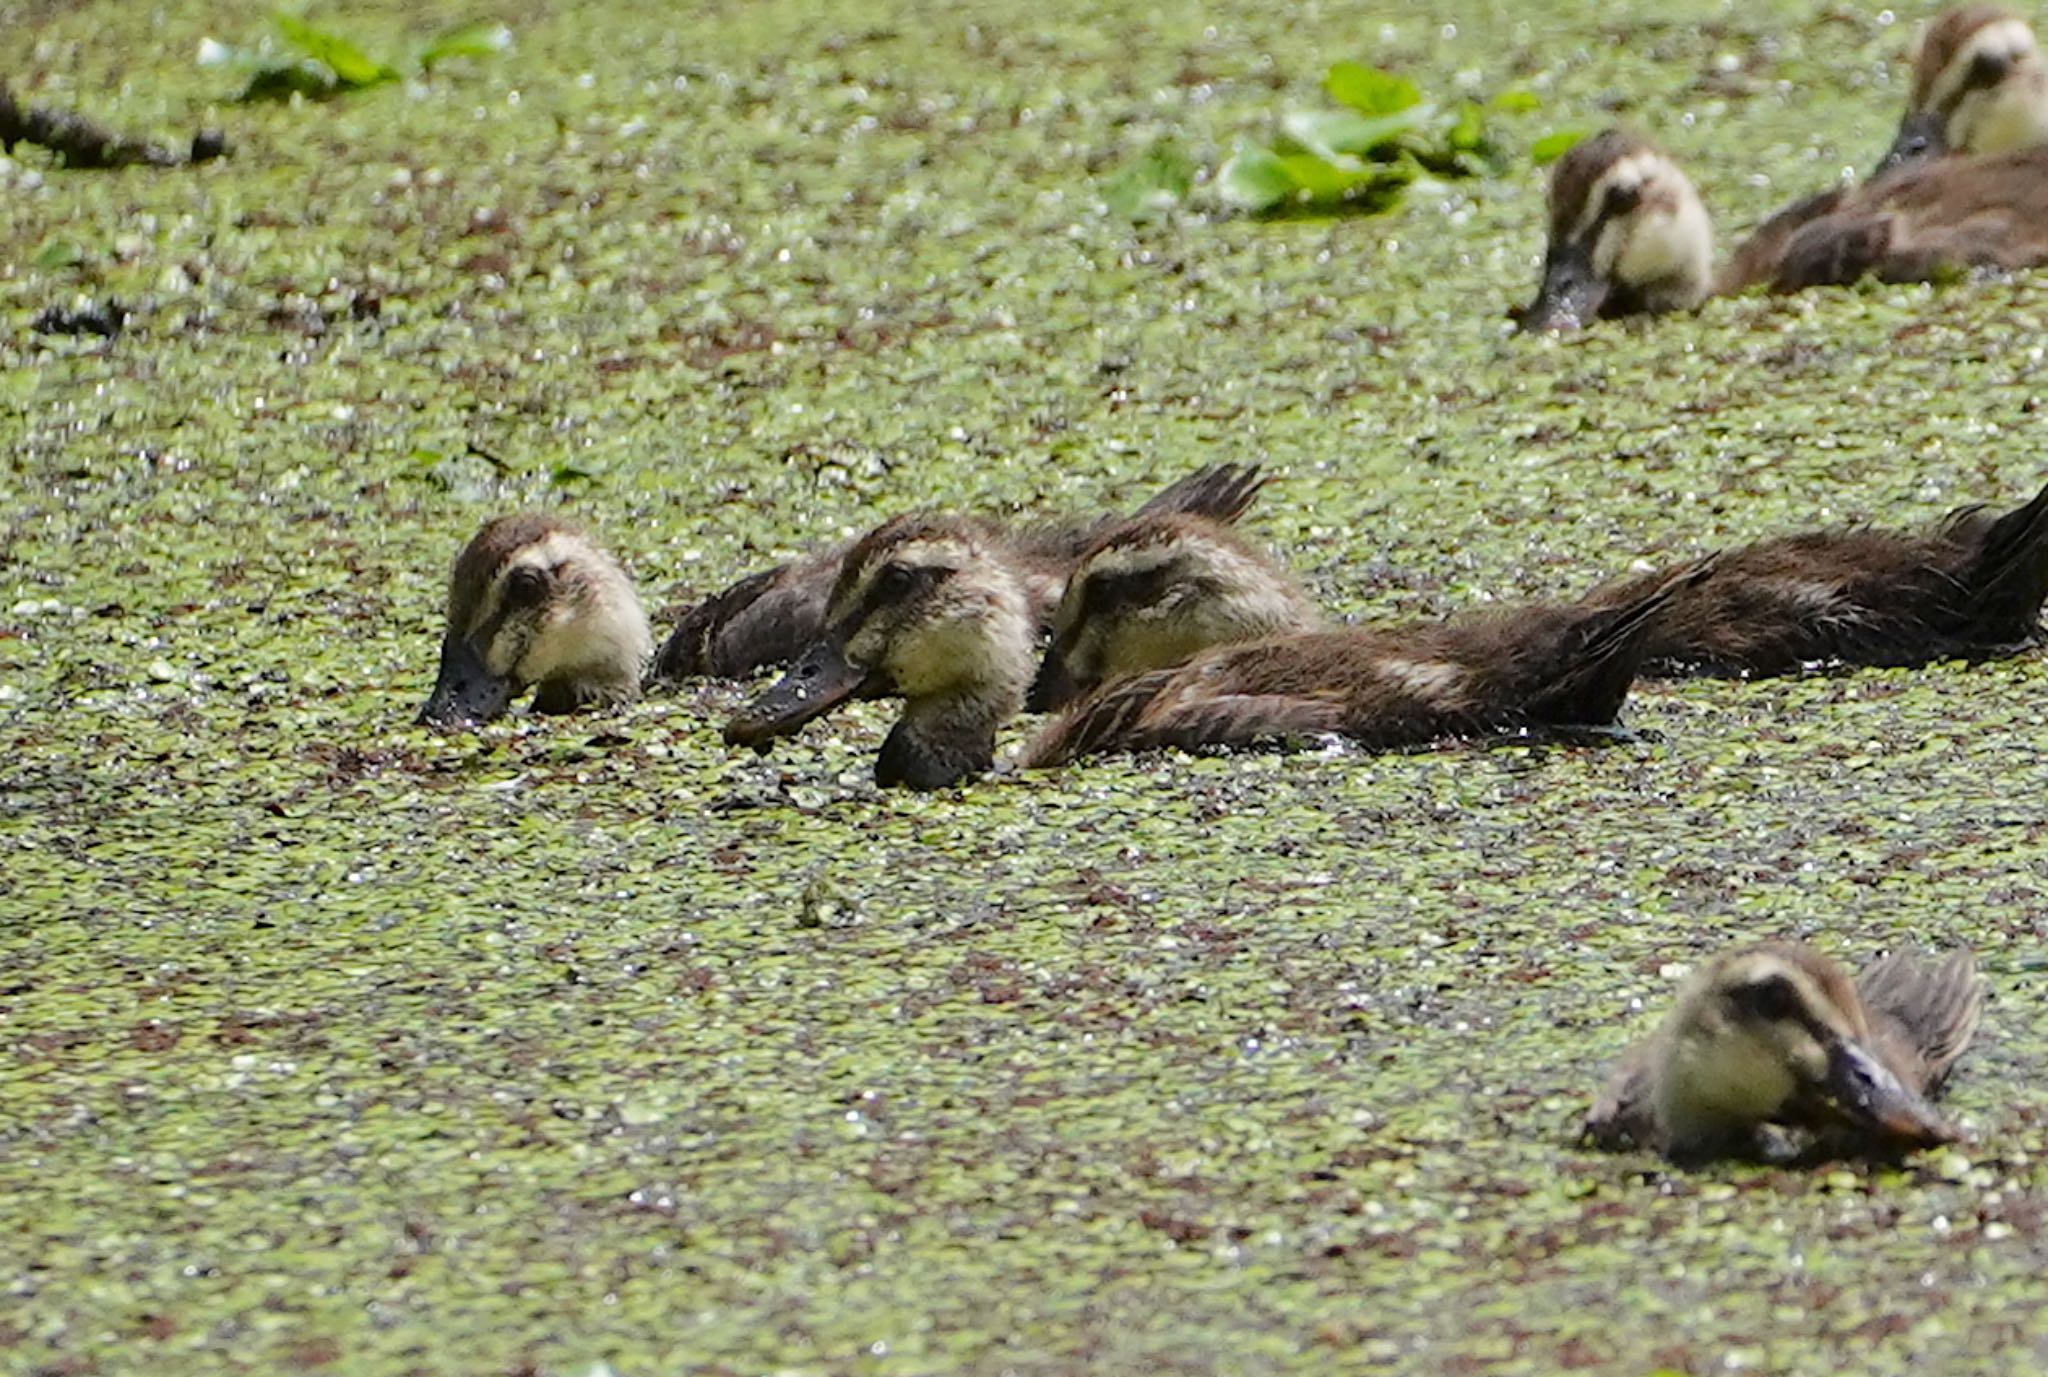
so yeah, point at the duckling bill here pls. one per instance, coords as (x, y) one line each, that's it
(1777, 1037)
(534, 603)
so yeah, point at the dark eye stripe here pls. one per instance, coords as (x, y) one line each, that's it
(1109, 591)
(900, 583)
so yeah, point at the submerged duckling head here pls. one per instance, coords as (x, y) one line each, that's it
(928, 609)
(1628, 235)
(1155, 591)
(1979, 86)
(533, 602)
(1777, 1033)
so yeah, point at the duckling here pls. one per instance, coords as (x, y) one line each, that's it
(1979, 86)
(1155, 590)
(1629, 235)
(1525, 669)
(770, 617)
(937, 610)
(1778, 1035)
(1971, 587)
(534, 601)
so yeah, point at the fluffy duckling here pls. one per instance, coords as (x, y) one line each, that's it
(1979, 86)
(1628, 236)
(770, 617)
(533, 601)
(1778, 1035)
(1530, 668)
(936, 610)
(1969, 588)
(1155, 590)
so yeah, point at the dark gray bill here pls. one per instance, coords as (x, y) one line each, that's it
(1865, 1091)
(819, 681)
(1571, 294)
(466, 691)
(1919, 139)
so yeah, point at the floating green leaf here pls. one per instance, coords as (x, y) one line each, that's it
(1153, 185)
(479, 39)
(1335, 134)
(1551, 147)
(324, 62)
(352, 67)
(1369, 90)
(1254, 179)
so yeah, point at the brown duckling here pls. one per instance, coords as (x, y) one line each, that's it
(1778, 1035)
(1524, 669)
(1969, 588)
(1155, 590)
(533, 601)
(1979, 86)
(770, 617)
(936, 610)
(1628, 236)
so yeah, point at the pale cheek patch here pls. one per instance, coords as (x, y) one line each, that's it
(2010, 118)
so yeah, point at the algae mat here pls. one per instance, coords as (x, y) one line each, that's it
(330, 1044)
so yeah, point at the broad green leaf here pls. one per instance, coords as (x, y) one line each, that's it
(1318, 179)
(1468, 128)
(1254, 179)
(1370, 91)
(1332, 134)
(1551, 147)
(1518, 100)
(1154, 184)
(350, 64)
(482, 38)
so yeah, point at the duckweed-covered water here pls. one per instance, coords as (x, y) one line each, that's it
(327, 1043)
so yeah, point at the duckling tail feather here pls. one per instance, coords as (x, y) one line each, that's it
(1221, 493)
(1598, 657)
(2004, 585)
(1928, 1009)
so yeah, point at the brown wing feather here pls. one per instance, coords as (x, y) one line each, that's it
(1756, 258)
(1157, 710)
(1922, 1013)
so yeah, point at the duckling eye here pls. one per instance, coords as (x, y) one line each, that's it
(1986, 70)
(901, 580)
(525, 586)
(1623, 199)
(1769, 1001)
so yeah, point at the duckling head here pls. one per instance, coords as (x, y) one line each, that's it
(1772, 1032)
(1979, 86)
(1628, 234)
(1156, 591)
(929, 609)
(533, 602)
